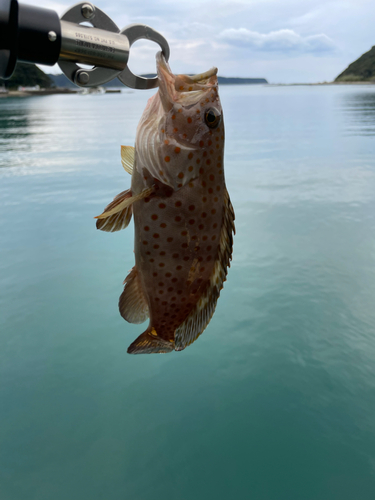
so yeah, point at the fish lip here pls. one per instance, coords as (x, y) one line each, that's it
(169, 95)
(166, 80)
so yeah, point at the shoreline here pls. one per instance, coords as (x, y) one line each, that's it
(58, 90)
(93, 90)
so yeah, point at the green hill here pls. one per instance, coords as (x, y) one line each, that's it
(27, 75)
(361, 70)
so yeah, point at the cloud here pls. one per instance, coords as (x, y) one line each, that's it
(284, 40)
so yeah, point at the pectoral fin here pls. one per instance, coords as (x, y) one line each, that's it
(127, 158)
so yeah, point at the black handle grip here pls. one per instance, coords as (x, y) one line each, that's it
(29, 34)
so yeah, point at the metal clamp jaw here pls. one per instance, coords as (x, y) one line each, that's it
(32, 34)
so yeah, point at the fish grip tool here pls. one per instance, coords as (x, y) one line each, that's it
(37, 35)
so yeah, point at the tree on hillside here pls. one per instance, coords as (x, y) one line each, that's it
(27, 75)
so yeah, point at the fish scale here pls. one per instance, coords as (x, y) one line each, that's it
(183, 217)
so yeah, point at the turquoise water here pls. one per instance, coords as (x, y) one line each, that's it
(276, 400)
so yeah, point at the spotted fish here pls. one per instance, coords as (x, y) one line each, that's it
(183, 217)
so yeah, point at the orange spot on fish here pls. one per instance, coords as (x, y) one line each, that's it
(181, 87)
(166, 141)
(177, 219)
(175, 130)
(167, 159)
(177, 150)
(156, 235)
(162, 205)
(201, 144)
(189, 119)
(173, 117)
(198, 161)
(191, 169)
(154, 216)
(212, 177)
(208, 162)
(170, 239)
(163, 225)
(190, 89)
(177, 204)
(146, 228)
(190, 156)
(180, 175)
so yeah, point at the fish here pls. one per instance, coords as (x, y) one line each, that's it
(183, 216)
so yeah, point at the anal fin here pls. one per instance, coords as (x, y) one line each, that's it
(133, 304)
(150, 343)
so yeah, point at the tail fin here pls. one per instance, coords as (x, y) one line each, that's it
(149, 342)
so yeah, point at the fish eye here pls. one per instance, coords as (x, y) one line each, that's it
(212, 117)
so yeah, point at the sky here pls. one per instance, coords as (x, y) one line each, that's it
(289, 41)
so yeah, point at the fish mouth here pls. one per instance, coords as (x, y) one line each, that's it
(186, 89)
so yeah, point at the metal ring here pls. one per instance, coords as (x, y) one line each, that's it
(98, 19)
(135, 32)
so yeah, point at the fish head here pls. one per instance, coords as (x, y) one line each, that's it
(180, 122)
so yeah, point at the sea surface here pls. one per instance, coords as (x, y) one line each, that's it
(276, 400)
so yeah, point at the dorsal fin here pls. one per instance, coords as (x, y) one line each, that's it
(127, 158)
(119, 220)
(133, 303)
(199, 318)
(150, 343)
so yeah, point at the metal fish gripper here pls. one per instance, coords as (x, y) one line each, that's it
(37, 35)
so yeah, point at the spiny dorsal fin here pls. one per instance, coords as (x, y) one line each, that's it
(127, 158)
(150, 343)
(121, 201)
(199, 318)
(133, 303)
(119, 220)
